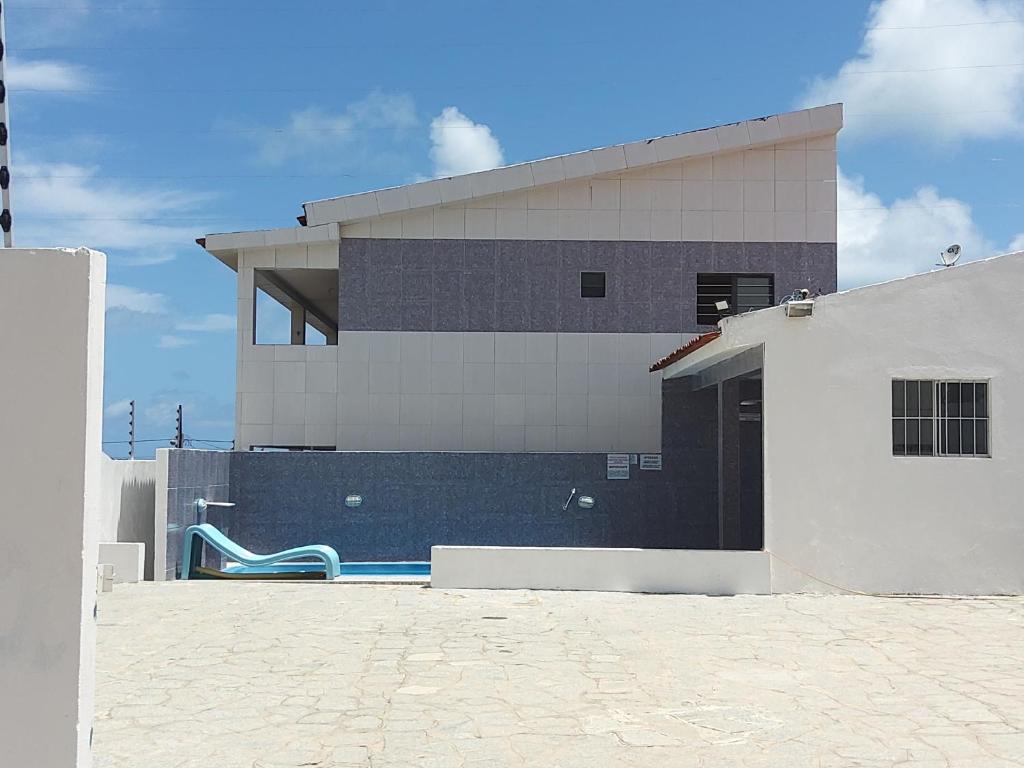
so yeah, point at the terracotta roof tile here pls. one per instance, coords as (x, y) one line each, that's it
(691, 346)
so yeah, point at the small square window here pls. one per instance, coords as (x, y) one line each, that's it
(592, 285)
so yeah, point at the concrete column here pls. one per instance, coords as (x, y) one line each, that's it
(51, 409)
(298, 325)
(729, 464)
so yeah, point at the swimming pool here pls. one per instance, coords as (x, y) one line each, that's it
(409, 568)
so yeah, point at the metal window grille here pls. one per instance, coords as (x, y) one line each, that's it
(742, 292)
(940, 418)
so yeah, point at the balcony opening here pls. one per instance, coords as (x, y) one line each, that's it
(296, 306)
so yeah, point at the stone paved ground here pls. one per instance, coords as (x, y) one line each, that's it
(218, 675)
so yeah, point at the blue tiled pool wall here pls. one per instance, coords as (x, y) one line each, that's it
(414, 500)
(193, 475)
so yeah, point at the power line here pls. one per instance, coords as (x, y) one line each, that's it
(228, 218)
(291, 6)
(328, 90)
(269, 177)
(931, 69)
(346, 131)
(123, 8)
(126, 442)
(434, 45)
(945, 26)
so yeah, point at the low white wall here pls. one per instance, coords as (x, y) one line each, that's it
(129, 499)
(672, 571)
(128, 559)
(51, 410)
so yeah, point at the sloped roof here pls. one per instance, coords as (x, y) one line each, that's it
(322, 217)
(789, 126)
(737, 333)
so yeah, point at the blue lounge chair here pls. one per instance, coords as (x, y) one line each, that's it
(279, 565)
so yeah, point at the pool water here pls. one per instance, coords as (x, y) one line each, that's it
(411, 568)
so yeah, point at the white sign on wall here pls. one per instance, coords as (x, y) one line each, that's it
(618, 466)
(650, 461)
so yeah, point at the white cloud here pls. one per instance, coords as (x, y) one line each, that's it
(128, 299)
(151, 257)
(200, 411)
(212, 322)
(135, 309)
(462, 146)
(314, 131)
(66, 204)
(879, 242)
(52, 24)
(963, 96)
(117, 409)
(174, 342)
(47, 75)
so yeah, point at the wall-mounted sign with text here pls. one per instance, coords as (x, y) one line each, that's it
(650, 461)
(618, 466)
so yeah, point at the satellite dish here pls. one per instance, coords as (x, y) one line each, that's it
(949, 256)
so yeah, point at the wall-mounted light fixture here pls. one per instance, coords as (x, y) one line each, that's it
(353, 500)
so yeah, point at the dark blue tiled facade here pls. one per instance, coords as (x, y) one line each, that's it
(534, 285)
(193, 475)
(414, 500)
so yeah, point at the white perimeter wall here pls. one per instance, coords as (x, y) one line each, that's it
(51, 406)
(673, 571)
(838, 504)
(128, 503)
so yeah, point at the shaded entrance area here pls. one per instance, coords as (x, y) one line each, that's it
(712, 417)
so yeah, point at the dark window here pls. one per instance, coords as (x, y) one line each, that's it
(742, 293)
(939, 418)
(592, 285)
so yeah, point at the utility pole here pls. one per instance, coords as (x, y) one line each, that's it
(131, 429)
(5, 149)
(179, 432)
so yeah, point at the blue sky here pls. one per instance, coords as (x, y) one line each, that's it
(138, 126)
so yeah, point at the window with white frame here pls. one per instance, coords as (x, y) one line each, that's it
(940, 418)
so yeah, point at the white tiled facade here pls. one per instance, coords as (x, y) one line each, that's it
(391, 390)
(762, 181)
(778, 193)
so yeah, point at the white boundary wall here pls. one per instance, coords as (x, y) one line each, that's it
(128, 559)
(682, 571)
(51, 391)
(128, 507)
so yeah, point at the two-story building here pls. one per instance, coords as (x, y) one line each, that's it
(518, 309)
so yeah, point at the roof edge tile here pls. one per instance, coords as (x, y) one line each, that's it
(688, 348)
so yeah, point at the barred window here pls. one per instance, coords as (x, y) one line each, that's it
(741, 292)
(940, 418)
